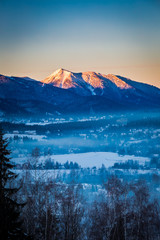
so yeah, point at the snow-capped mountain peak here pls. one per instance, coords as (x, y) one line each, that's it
(60, 78)
(88, 83)
(75, 92)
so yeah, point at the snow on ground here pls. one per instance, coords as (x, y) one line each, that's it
(92, 90)
(96, 159)
(90, 159)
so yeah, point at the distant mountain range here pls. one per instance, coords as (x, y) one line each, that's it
(65, 92)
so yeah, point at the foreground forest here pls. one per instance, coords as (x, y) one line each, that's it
(119, 210)
(81, 204)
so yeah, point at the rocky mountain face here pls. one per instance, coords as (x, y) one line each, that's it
(65, 92)
(115, 88)
(86, 83)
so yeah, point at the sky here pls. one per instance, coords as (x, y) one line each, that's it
(121, 37)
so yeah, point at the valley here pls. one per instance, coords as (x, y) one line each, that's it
(115, 137)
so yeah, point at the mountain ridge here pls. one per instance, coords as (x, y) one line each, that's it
(75, 93)
(94, 79)
(66, 79)
(110, 86)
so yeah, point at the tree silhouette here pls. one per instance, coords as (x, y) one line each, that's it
(10, 223)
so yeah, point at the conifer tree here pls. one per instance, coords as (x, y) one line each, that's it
(10, 223)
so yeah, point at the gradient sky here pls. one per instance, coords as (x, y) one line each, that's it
(112, 36)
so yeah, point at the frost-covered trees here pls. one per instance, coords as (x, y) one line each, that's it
(126, 213)
(121, 211)
(72, 212)
(54, 211)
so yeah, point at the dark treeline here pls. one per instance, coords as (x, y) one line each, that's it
(55, 127)
(48, 165)
(113, 125)
(130, 164)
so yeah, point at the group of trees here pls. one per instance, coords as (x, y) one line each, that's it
(127, 213)
(54, 215)
(122, 211)
(48, 165)
(130, 164)
(54, 210)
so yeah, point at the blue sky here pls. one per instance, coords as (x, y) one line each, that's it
(120, 37)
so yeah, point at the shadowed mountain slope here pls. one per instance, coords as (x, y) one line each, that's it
(64, 92)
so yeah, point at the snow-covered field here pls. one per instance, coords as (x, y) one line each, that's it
(96, 159)
(90, 159)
